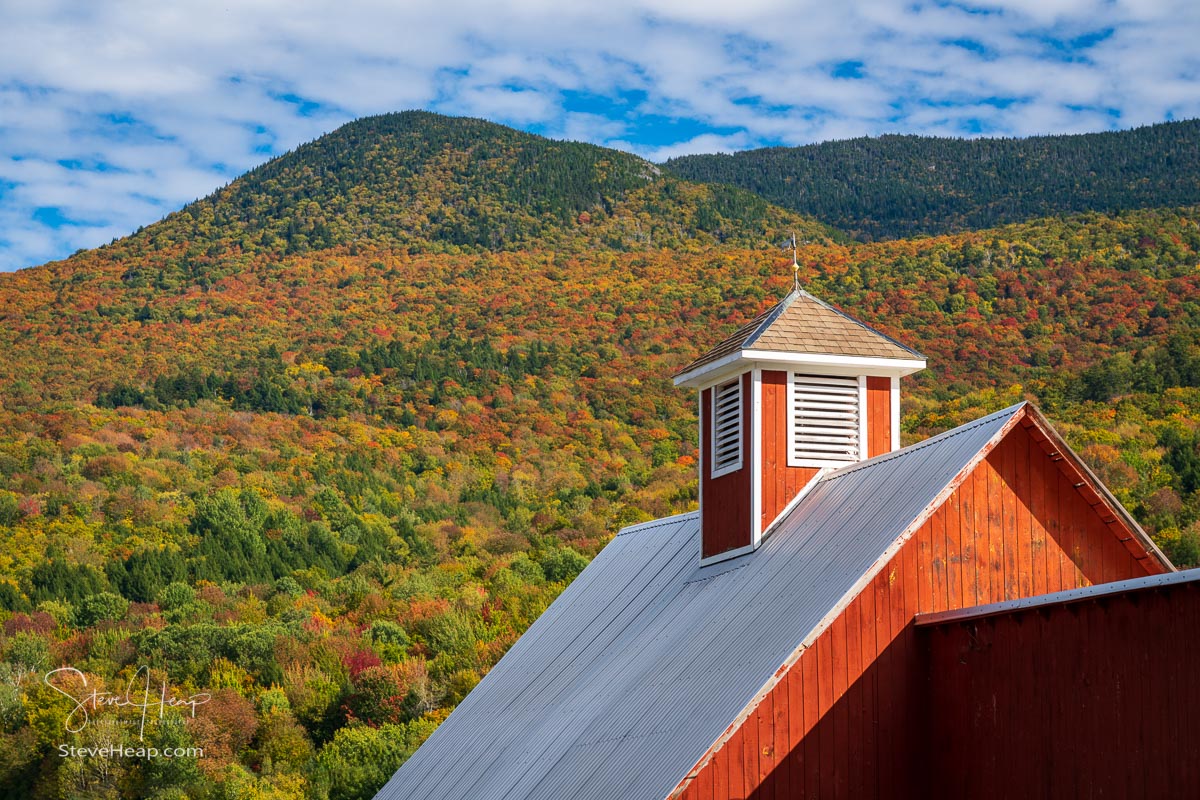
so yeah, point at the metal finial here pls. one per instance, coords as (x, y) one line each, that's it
(795, 265)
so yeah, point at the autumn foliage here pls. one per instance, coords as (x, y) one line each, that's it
(330, 480)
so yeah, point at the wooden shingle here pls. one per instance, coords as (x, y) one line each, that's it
(800, 323)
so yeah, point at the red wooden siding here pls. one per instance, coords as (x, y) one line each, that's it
(724, 501)
(841, 720)
(879, 416)
(1089, 699)
(780, 483)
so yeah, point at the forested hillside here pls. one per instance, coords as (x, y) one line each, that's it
(894, 186)
(423, 182)
(330, 487)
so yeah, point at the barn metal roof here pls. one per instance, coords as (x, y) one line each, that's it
(642, 663)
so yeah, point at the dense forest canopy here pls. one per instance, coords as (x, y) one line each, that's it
(329, 479)
(423, 182)
(893, 186)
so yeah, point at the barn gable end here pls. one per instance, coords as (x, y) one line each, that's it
(1024, 518)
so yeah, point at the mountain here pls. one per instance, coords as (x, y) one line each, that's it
(427, 182)
(895, 186)
(330, 485)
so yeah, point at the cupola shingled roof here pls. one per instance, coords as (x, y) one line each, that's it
(801, 323)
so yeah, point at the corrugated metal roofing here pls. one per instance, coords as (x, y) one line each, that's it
(647, 657)
(802, 323)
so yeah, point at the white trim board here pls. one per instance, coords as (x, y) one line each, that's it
(707, 374)
(895, 411)
(728, 554)
(718, 471)
(754, 448)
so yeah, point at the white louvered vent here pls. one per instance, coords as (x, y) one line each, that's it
(727, 428)
(825, 420)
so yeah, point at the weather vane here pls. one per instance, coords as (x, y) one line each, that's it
(795, 258)
(795, 265)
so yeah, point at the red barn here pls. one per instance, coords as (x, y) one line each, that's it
(971, 616)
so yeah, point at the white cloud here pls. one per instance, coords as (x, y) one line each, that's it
(705, 143)
(150, 104)
(582, 127)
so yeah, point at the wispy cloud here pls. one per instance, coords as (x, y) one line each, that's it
(114, 113)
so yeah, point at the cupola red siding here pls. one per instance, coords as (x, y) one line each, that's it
(879, 417)
(726, 526)
(826, 348)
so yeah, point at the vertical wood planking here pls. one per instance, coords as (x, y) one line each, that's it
(868, 715)
(1064, 702)
(766, 747)
(1065, 530)
(702, 787)
(1057, 574)
(1106, 565)
(840, 656)
(1078, 526)
(1089, 559)
(905, 654)
(737, 765)
(1009, 533)
(983, 567)
(1044, 580)
(968, 547)
(749, 733)
(854, 700)
(775, 444)
(955, 594)
(810, 668)
(884, 731)
(792, 753)
(725, 501)
(995, 527)
(841, 722)
(937, 547)
(826, 680)
(772, 480)
(1023, 528)
(924, 568)
(879, 416)
(721, 787)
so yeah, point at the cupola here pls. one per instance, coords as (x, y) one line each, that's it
(802, 388)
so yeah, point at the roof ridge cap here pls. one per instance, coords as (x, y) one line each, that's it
(654, 523)
(932, 440)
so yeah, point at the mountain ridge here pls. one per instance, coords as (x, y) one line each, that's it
(899, 185)
(427, 182)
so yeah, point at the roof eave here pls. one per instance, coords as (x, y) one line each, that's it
(1066, 597)
(741, 360)
(1106, 496)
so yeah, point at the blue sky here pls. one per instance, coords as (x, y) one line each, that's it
(114, 113)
